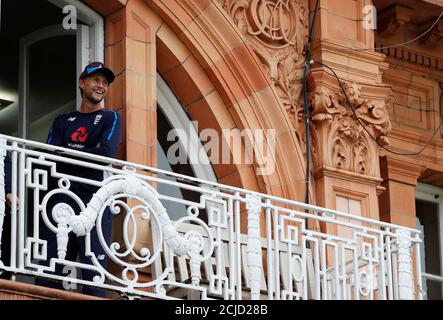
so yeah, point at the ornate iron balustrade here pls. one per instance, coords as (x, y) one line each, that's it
(228, 243)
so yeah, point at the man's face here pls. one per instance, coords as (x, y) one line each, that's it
(94, 87)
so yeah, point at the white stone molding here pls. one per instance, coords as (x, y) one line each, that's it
(61, 214)
(254, 251)
(131, 186)
(405, 273)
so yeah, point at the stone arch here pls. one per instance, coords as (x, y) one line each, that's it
(227, 86)
(200, 46)
(201, 101)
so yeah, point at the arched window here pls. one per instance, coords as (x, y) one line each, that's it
(171, 116)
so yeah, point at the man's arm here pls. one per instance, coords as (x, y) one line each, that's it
(8, 183)
(8, 175)
(55, 136)
(107, 146)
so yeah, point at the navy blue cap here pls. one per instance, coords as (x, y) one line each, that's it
(98, 67)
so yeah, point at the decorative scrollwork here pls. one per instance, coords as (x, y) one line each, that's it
(61, 215)
(365, 283)
(273, 22)
(151, 210)
(199, 251)
(277, 31)
(346, 144)
(129, 223)
(60, 210)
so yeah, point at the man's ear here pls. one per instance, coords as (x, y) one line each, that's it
(81, 83)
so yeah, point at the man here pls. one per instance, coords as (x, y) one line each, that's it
(6, 230)
(94, 130)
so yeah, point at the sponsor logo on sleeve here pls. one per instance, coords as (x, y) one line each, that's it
(97, 119)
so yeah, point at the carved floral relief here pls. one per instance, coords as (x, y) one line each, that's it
(277, 31)
(344, 142)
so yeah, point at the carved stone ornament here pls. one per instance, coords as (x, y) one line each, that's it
(343, 141)
(393, 18)
(277, 31)
(433, 37)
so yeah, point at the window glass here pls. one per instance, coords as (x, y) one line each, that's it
(49, 75)
(52, 83)
(428, 223)
(174, 209)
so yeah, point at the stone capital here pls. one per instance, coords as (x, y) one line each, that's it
(348, 125)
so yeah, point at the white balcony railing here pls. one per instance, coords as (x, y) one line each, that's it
(229, 243)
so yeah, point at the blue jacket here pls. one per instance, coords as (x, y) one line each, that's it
(97, 133)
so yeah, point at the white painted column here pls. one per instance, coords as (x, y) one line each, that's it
(254, 252)
(405, 272)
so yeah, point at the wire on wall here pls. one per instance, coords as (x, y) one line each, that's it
(398, 44)
(419, 151)
(311, 31)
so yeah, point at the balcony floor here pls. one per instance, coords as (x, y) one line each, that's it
(13, 290)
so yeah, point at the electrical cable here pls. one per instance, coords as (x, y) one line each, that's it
(363, 125)
(306, 121)
(311, 27)
(402, 106)
(399, 44)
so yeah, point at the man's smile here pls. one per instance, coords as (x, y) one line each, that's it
(99, 91)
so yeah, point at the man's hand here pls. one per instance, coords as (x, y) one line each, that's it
(10, 198)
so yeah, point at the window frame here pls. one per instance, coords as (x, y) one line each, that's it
(173, 111)
(90, 47)
(433, 194)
